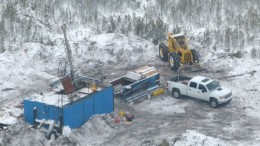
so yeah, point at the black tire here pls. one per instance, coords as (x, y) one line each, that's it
(51, 135)
(176, 93)
(214, 103)
(163, 52)
(174, 61)
(195, 55)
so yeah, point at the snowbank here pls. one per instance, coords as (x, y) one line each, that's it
(33, 64)
(10, 112)
(193, 138)
(94, 132)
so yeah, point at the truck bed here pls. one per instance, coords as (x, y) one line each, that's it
(179, 82)
(181, 79)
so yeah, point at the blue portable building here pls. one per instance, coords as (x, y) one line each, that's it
(70, 110)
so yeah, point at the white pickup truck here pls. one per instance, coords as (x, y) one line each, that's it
(200, 87)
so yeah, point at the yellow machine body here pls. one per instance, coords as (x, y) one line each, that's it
(158, 92)
(179, 45)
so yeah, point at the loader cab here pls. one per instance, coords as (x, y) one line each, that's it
(181, 40)
(178, 43)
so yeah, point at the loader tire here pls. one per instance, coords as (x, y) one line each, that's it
(174, 61)
(163, 52)
(195, 55)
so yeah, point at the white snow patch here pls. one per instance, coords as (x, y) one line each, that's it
(7, 119)
(198, 32)
(167, 105)
(66, 131)
(95, 132)
(10, 112)
(193, 138)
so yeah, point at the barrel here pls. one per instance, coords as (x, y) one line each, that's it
(158, 92)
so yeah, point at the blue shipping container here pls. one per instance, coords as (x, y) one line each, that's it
(74, 114)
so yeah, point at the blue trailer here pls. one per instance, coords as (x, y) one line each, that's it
(136, 84)
(73, 109)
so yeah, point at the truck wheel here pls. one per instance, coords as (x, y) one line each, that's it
(176, 93)
(174, 61)
(163, 52)
(213, 103)
(195, 56)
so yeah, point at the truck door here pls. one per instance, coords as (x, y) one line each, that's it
(192, 90)
(203, 93)
(197, 91)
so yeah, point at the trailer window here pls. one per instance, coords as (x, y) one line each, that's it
(193, 85)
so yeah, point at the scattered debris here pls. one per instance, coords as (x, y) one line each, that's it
(124, 117)
(252, 90)
(117, 120)
(237, 54)
(128, 122)
(7, 89)
(110, 122)
(164, 143)
(121, 114)
(249, 107)
(4, 126)
(238, 75)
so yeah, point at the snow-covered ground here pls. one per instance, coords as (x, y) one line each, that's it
(225, 33)
(28, 69)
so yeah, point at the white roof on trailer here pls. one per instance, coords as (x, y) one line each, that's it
(52, 98)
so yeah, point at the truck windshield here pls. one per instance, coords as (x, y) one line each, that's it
(213, 85)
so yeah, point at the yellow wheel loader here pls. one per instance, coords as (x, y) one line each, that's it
(177, 52)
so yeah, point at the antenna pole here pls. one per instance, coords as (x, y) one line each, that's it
(69, 56)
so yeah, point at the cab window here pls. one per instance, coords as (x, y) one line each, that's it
(193, 85)
(202, 88)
